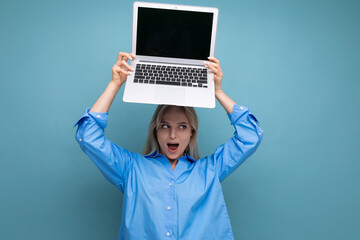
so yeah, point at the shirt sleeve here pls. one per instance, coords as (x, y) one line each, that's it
(243, 144)
(113, 162)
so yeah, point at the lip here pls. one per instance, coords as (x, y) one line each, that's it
(172, 150)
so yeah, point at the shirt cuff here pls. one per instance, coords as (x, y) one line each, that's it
(99, 118)
(238, 112)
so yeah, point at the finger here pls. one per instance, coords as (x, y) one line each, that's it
(117, 69)
(212, 68)
(123, 56)
(126, 56)
(124, 71)
(217, 77)
(119, 59)
(214, 59)
(124, 63)
(212, 64)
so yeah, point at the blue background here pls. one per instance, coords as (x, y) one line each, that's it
(295, 64)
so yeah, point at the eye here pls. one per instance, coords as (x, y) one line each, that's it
(164, 126)
(183, 126)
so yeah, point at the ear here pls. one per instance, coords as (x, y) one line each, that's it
(192, 133)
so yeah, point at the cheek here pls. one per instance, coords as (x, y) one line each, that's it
(160, 136)
(187, 137)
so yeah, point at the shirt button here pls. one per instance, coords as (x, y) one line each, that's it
(80, 139)
(259, 133)
(168, 208)
(167, 234)
(98, 116)
(170, 184)
(241, 108)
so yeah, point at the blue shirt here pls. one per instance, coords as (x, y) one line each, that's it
(160, 203)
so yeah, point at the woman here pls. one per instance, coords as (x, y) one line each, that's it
(169, 193)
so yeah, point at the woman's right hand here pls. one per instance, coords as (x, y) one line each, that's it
(121, 69)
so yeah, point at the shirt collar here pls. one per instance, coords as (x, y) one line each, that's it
(153, 154)
(156, 154)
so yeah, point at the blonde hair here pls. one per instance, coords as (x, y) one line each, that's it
(152, 142)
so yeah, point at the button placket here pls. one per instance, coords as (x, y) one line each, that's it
(170, 222)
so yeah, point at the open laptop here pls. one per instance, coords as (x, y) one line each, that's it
(171, 43)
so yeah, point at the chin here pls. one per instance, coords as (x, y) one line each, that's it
(172, 157)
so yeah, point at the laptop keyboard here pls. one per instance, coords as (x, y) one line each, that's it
(171, 75)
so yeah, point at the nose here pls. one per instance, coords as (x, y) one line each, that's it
(172, 133)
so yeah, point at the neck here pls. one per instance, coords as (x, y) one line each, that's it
(173, 163)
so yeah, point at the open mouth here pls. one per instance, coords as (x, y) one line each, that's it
(172, 147)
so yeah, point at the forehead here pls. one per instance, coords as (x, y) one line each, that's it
(174, 114)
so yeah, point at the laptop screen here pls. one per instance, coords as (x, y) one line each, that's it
(174, 33)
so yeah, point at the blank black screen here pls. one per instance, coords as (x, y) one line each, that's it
(174, 33)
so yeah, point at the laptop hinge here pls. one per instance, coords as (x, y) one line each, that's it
(159, 62)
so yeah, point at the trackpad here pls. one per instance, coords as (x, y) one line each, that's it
(169, 95)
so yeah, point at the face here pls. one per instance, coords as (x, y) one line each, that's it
(174, 133)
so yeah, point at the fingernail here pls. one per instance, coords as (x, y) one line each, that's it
(131, 58)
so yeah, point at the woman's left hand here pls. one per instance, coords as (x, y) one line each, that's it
(214, 65)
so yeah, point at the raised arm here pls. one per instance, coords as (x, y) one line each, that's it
(247, 135)
(120, 71)
(113, 161)
(225, 100)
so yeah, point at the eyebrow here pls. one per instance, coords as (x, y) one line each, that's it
(180, 123)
